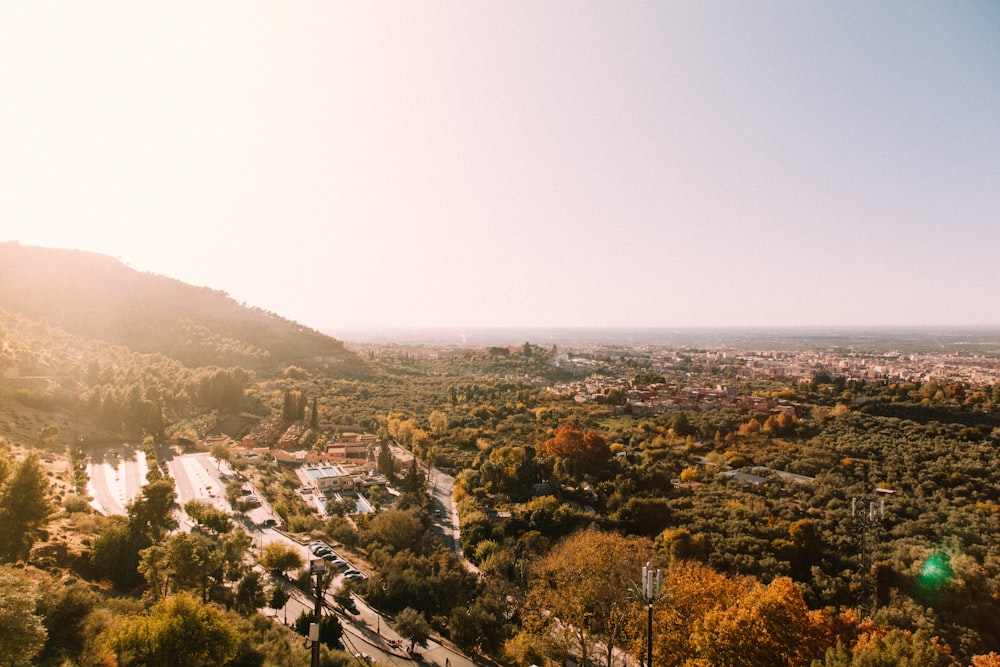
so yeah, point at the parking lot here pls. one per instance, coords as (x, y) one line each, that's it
(116, 475)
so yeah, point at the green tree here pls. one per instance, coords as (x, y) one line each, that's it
(152, 513)
(398, 530)
(330, 629)
(156, 568)
(176, 632)
(195, 562)
(279, 598)
(208, 516)
(411, 625)
(24, 509)
(249, 594)
(279, 558)
(220, 452)
(22, 634)
(65, 608)
(480, 625)
(115, 554)
(341, 507)
(386, 461)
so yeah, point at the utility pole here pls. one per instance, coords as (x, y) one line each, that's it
(650, 591)
(316, 567)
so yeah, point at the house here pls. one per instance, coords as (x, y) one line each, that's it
(351, 447)
(745, 478)
(330, 478)
(210, 442)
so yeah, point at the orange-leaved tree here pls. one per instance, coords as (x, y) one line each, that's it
(583, 452)
(709, 618)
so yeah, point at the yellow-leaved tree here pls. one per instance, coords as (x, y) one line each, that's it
(579, 598)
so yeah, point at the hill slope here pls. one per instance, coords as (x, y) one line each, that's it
(96, 296)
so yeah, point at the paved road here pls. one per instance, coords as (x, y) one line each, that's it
(368, 633)
(440, 486)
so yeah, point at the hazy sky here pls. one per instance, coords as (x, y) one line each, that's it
(520, 163)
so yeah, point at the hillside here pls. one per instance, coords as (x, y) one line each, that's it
(96, 296)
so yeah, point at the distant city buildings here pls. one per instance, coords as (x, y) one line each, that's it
(792, 367)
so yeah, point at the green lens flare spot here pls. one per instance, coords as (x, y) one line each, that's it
(936, 570)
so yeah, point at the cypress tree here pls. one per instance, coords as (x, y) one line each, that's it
(24, 509)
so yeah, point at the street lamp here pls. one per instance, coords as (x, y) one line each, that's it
(650, 590)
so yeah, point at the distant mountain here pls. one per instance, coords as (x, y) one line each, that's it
(96, 296)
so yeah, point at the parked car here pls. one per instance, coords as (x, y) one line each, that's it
(336, 561)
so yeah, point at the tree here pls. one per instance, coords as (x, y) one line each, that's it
(155, 566)
(523, 649)
(583, 452)
(386, 461)
(892, 648)
(438, 422)
(48, 434)
(414, 480)
(279, 558)
(595, 452)
(411, 625)
(65, 607)
(234, 545)
(396, 529)
(220, 452)
(582, 589)
(195, 562)
(713, 619)
(234, 492)
(566, 443)
(22, 634)
(342, 506)
(279, 598)
(330, 629)
(152, 513)
(288, 409)
(115, 554)
(208, 516)
(24, 509)
(176, 632)
(764, 626)
(249, 594)
(480, 625)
